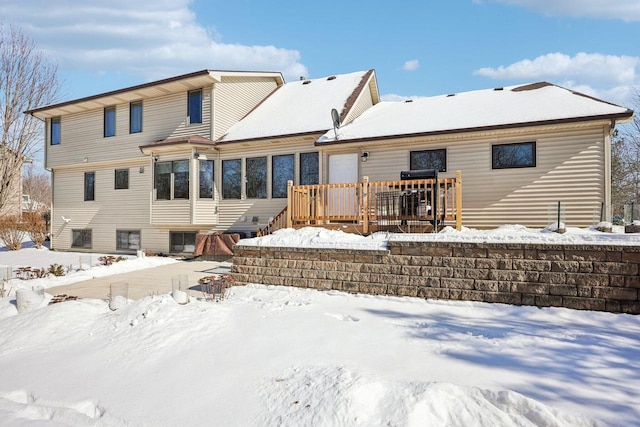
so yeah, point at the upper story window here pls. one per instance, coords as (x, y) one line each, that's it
(135, 117)
(231, 179)
(282, 171)
(89, 186)
(121, 179)
(55, 130)
(206, 179)
(194, 106)
(109, 121)
(309, 169)
(428, 159)
(171, 180)
(519, 155)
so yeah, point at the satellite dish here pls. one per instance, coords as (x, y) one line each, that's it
(336, 118)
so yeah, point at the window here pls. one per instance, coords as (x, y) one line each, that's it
(231, 175)
(182, 241)
(162, 181)
(109, 121)
(282, 171)
(428, 159)
(128, 239)
(135, 117)
(181, 179)
(521, 155)
(194, 106)
(309, 169)
(55, 130)
(89, 186)
(81, 239)
(121, 179)
(168, 173)
(206, 179)
(257, 178)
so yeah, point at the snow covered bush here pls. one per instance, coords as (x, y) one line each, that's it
(12, 232)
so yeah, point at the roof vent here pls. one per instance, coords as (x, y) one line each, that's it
(451, 94)
(408, 100)
(498, 88)
(331, 78)
(306, 82)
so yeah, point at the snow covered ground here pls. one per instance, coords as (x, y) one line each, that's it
(272, 356)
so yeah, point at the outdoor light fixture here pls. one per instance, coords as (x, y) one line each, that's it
(364, 156)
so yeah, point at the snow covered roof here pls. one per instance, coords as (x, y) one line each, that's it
(531, 104)
(300, 107)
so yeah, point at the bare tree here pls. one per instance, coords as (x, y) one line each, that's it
(625, 161)
(27, 81)
(37, 184)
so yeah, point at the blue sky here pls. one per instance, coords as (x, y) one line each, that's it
(418, 48)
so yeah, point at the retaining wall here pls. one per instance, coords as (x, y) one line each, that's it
(584, 277)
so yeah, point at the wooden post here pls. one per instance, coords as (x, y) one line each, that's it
(365, 205)
(289, 203)
(458, 200)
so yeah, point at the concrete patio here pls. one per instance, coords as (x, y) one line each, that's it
(142, 283)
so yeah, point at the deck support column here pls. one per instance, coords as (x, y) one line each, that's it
(289, 203)
(365, 205)
(458, 200)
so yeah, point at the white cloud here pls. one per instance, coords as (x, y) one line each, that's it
(590, 67)
(411, 65)
(626, 10)
(156, 38)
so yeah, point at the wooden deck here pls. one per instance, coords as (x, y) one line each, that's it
(410, 206)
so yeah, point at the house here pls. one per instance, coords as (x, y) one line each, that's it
(12, 205)
(521, 150)
(150, 166)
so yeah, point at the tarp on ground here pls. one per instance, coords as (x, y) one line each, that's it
(215, 244)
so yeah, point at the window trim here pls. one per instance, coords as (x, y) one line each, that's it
(273, 175)
(82, 232)
(172, 233)
(189, 95)
(223, 186)
(55, 130)
(128, 248)
(171, 180)
(108, 111)
(131, 105)
(115, 179)
(93, 188)
(266, 177)
(213, 179)
(300, 171)
(534, 163)
(436, 150)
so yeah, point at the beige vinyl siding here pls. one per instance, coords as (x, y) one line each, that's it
(162, 117)
(231, 211)
(13, 203)
(363, 102)
(570, 167)
(112, 210)
(235, 97)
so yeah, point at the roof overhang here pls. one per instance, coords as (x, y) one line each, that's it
(176, 144)
(625, 117)
(157, 88)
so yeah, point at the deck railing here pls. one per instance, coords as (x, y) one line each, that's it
(382, 204)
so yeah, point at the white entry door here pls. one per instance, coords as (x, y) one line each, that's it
(343, 168)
